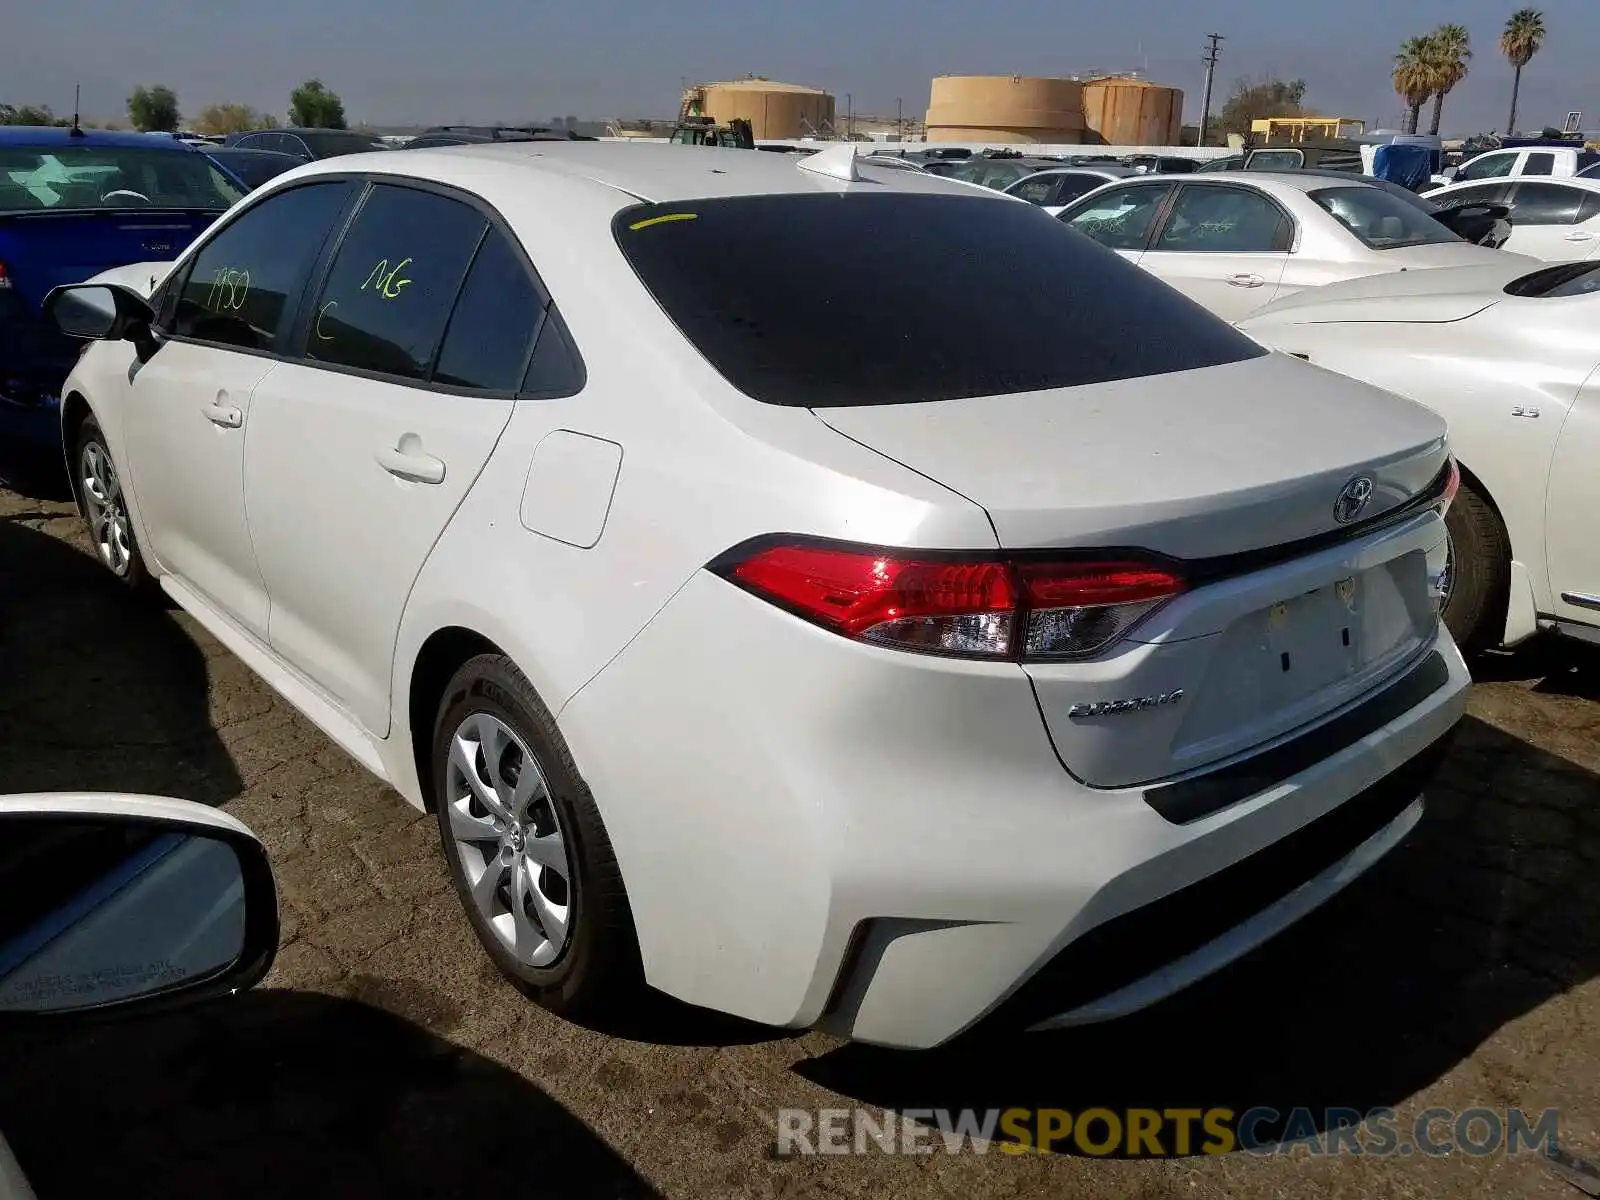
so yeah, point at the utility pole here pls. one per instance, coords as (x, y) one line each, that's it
(899, 120)
(1210, 59)
(850, 116)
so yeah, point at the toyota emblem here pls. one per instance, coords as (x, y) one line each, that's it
(1353, 498)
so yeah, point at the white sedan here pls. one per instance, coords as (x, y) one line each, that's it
(1557, 220)
(1509, 358)
(804, 673)
(1238, 241)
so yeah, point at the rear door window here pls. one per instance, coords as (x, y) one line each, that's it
(394, 281)
(1120, 218)
(244, 285)
(1483, 193)
(1545, 204)
(1074, 186)
(920, 298)
(1040, 189)
(1538, 163)
(1207, 218)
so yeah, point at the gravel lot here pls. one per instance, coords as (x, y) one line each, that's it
(383, 1058)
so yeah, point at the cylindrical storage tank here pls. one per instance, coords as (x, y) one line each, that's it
(1131, 112)
(1005, 108)
(774, 110)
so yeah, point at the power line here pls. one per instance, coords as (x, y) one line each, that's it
(1213, 52)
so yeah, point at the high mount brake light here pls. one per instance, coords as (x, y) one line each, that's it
(996, 608)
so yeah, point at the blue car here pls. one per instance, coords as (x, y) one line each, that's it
(74, 203)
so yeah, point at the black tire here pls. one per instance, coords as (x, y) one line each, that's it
(128, 570)
(597, 973)
(1480, 586)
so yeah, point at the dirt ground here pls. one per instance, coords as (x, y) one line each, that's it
(383, 1058)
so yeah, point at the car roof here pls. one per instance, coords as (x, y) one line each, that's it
(60, 135)
(654, 172)
(248, 152)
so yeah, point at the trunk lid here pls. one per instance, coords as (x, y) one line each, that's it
(1194, 464)
(1202, 465)
(43, 249)
(1448, 294)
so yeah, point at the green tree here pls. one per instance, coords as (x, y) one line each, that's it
(1521, 40)
(312, 106)
(30, 114)
(1252, 100)
(153, 110)
(1449, 53)
(1413, 77)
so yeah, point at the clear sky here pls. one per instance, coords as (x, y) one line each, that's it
(441, 61)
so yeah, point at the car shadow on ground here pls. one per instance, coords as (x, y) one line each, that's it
(85, 667)
(37, 473)
(1561, 666)
(279, 1093)
(1484, 913)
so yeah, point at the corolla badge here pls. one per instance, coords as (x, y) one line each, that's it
(1109, 708)
(1353, 499)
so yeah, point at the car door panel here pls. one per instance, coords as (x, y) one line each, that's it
(185, 443)
(1223, 246)
(224, 315)
(361, 452)
(1571, 547)
(1545, 221)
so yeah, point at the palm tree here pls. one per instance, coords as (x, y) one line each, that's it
(1413, 77)
(1524, 34)
(1449, 52)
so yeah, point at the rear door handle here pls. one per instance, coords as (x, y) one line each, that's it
(407, 460)
(220, 412)
(1246, 280)
(1578, 236)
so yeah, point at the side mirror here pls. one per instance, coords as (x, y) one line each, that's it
(126, 904)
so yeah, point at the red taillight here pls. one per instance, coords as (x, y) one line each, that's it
(1452, 485)
(991, 608)
(5, 278)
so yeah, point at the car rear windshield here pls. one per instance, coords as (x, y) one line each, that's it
(98, 177)
(1565, 279)
(328, 143)
(1381, 221)
(828, 300)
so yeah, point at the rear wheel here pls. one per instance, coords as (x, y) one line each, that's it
(105, 508)
(526, 848)
(1478, 574)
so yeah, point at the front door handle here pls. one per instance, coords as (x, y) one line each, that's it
(220, 412)
(1578, 236)
(407, 460)
(1245, 280)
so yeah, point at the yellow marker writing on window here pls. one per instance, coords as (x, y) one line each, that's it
(649, 221)
(386, 279)
(322, 312)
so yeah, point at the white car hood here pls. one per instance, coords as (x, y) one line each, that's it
(1449, 294)
(142, 277)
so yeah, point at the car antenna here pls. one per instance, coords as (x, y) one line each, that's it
(77, 95)
(837, 161)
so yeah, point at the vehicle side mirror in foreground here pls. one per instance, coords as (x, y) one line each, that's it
(124, 904)
(98, 311)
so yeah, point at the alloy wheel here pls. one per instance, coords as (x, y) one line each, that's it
(509, 840)
(107, 512)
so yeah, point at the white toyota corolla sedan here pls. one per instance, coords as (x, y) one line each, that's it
(774, 606)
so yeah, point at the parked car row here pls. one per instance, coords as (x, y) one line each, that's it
(1022, 669)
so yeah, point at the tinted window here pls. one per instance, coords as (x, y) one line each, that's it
(1120, 218)
(254, 141)
(246, 280)
(1545, 204)
(329, 143)
(556, 369)
(1589, 207)
(253, 168)
(1277, 160)
(1539, 164)
(983, 297)
(1380, 220)
(1489, 166)
(1224, 220)
(1073, 186)
(394, 281)
(492, 328)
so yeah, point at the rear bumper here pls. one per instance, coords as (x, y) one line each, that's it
(818, 832)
